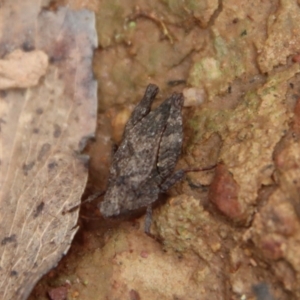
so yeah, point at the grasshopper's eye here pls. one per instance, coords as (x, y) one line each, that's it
(178, 100)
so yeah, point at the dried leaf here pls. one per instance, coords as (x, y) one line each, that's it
(42, 130)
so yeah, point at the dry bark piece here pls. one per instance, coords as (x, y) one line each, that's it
(42, 129)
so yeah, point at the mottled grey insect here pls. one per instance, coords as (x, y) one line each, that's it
(143, 166)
